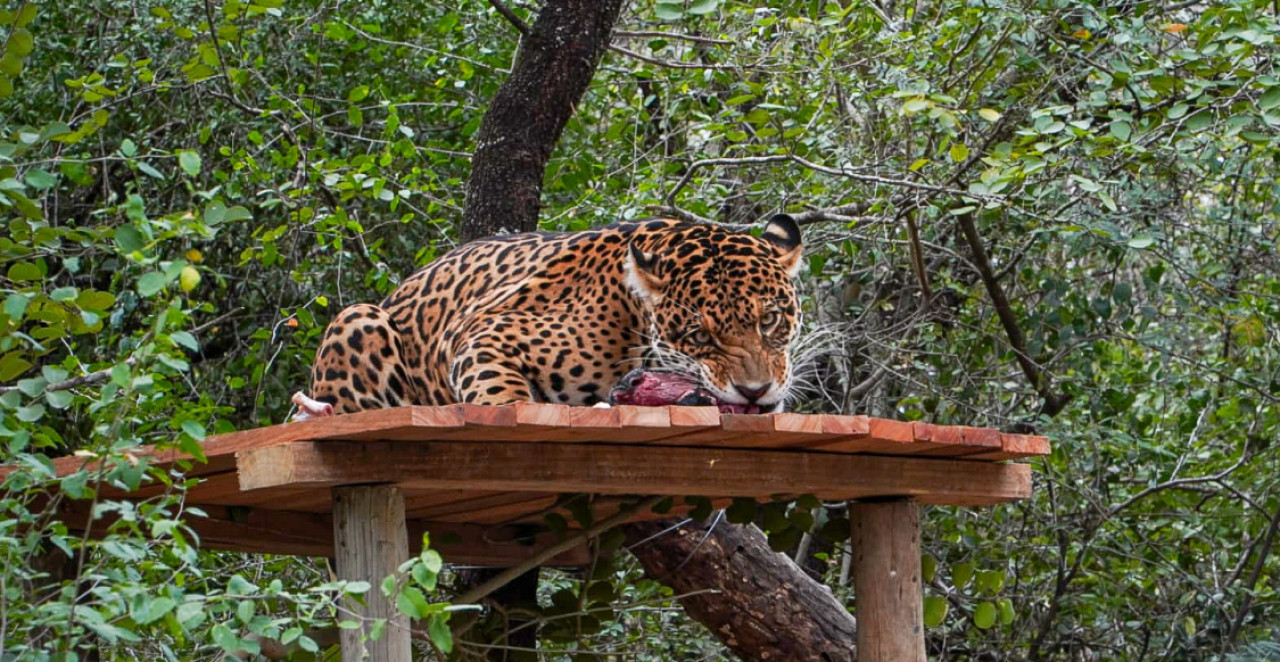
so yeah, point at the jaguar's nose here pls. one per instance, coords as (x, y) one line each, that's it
(752, 393)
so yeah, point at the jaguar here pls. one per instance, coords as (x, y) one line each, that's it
(563, 317)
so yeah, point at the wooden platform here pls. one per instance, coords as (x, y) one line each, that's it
(481, 479)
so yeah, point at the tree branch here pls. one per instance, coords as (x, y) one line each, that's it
(511, 17)
(553, 68)
(1040, 380)
(672, 35)
(498, 581)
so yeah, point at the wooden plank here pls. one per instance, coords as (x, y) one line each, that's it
(492, 504)
(370, 542)
(883, 436)
(887, 587)
(775, 431)
(953, 440)
(261, 531)
(1015, 447)
(518, 507)
(646, 470)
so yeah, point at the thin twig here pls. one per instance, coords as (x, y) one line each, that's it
(507, 576)
(672, 64)
(672, 35)
(1253, 577)
(511, 17)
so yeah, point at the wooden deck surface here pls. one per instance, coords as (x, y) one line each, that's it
(484, 477)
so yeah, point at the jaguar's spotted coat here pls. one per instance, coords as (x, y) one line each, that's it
(560, 317)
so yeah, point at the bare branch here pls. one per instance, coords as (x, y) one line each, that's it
(621, 517)
(1040, 380)
(672, 35)
(511, 17)
(672, 64)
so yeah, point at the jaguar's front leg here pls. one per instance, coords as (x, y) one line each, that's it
(486, 373)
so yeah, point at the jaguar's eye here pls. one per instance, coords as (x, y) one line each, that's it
(770, 320)
(699, 337)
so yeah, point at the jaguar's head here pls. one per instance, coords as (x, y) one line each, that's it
(722, 307)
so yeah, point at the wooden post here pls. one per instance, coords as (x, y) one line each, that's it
(370, 542)
(886, 580)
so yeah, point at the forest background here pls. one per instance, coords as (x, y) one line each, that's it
(1048, 214)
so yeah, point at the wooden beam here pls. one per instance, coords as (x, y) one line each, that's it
(647, 470)
(370, 542)
(262, 531)
(887, 588)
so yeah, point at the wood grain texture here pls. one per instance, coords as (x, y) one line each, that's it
(547, 423)
(647, 470)
(370, 542)
(887, 587)
(262, 531)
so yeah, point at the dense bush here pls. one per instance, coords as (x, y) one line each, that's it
(189, 191)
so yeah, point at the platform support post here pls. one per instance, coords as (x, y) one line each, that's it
(888, 590)
(370, 541)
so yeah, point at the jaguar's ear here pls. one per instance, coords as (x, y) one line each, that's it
(642, 274)
(784, 233)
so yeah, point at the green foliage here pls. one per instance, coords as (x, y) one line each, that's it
(187, 200)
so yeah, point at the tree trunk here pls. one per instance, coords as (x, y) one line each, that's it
(764, 608)
(523, 123)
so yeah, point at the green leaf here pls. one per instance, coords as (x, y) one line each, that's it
(431, 559)
(185, 339)
(21, 42)
(152, 282)
(915, 106)
(95, 301)
(928, 567)
(412, 603)
(742, 511)
(1006, 610)
(40, 179)
(25, 15)
(59, 399)
(441, 635)
(1141, 241)
(189, 161)
(961, 575)
(669, 11)
(985, 616)
(238, 585)
(31, 413)
(1108, 200)
(64, 294)
(935, 610)
(10, 64)
(156, 609)
(358, 93)
(1270, 99)
(128, 148)
(958, 152)
(197, 431)
(12, 365)
(700, 508)
(15, 305)
(24, 272)
(785, 539)
(989, 114)
(703, 7)
(245, 610)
